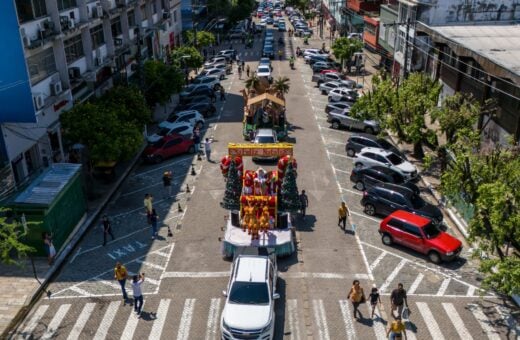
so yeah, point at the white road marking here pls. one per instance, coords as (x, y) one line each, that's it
(294, 322)
(377, 260)
(34, 321)
(484, 322)
(188, 158)
(112, 284)
(457, 321)
(471, 291)
(53, 325)
(429, 320)
(378, 325)
(187, 314)
(192, 275)
(149, 186)
(338, 155)
(303, 275)
(81, 321)
(443, 287)
(161, 253)
(79, 291)
(158, 323)
(152, 281)
(321, 319)
(415, 283)
(347, 319)
(108, 318)
(213, 319)
(392, 276)
(131, 325)
(149, 264)
(141, 208)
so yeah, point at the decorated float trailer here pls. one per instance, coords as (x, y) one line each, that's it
(257, 213)
(264, 111)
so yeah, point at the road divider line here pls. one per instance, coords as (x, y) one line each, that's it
(471, 291)
(79, 291)
(187, 315)
(377, 260)
(158, 323)
(338, 155)
(444, 285)
(416, 283)
(149, 264)
(457, 322)
(81, 321)
(213, 319)
(321, 319)
(392, 276)
(294, 322)
(192, 275)
(53, 325)
(429, 320)
(347, 319)
(483, 321)
(107, 320)
(111, 284)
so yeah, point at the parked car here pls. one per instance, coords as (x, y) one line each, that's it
(343, 119)
(265, 61)
(184, 129)
(215, 60)
(193, 117)
(366, 178)
(385, 198)
(265, 136)
(206, 108)
(199, 90)
(166, 147)
(331, 75)
(327, 87)
(212, 82)
(311, 59)
(355, 36)
(314, 51)
(345, 93)
(249, 311)
(369, 157)
(264, 71)
(335, 106)
(194, 89)
(359, 141)
(229, 54)
(268, 52)
(227, 68)
(236, 33)
(322, 65)
(213, 72)
(282, 27)
(420, 234)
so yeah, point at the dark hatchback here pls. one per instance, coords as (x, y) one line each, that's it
(364, 140)
(205, 107)
(384, 199)
(366, 178)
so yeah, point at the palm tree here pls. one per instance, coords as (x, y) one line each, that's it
(258, 84)
(281, 86)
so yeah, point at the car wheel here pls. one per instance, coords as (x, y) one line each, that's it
(335, 125)
(359, 165)
(158, 159)
(387, 240)
(434, 257)
(323, 92)
(360, 186)
(221, 77)
(370, 210)
(351, 152)
(216, 87)
(369, 130)
(191, 150)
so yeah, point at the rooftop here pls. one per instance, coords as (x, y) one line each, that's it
(499, 44)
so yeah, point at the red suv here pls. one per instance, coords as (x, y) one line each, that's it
(167, 147)
(420, 234)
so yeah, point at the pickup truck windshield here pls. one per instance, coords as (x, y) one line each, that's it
(249, 293)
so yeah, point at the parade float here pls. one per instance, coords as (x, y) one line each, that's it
(260, 202)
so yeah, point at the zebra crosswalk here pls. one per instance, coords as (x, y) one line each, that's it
(192, 318)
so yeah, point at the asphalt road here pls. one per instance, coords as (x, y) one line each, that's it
(185, 274)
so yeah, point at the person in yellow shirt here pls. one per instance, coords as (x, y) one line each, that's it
(121, 274)
(396, 330)
(343, 213)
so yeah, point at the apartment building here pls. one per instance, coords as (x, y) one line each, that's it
(63, 52)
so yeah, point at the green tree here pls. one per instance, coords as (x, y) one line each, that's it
(281, 86)
(12, 249)
(231, 200)
(488, 179)
(161, 81)
(378, 102)
(240, 9)
(289, 199)
(218, 8)
(131, 98)
(302, 5)
(186, 56)
(344, 48)
(204, 38)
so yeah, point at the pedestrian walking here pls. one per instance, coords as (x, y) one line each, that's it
(398, 300)
(237, 59)
(207, 149)
(121, 274)
(343, 213)
(154, 218)
(247, 70)
(167, 184)
(374, 299)
(357, 296)
(240, 72)
(107, 229)
(49, 247)
(396, 330)
(243, 64)
(137, 281)
(148, 206)
(304, 203)
(196, 142)
(222, 93)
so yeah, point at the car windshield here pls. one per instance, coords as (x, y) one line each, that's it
(249, 293)
(163, 131)
(264, 139)
(157, 144)
(431, 231)
(384, 144)
(263, 70)
(394, 159)
(417, 202)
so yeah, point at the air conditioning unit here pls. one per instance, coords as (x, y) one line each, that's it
(99, 61)
(98, 11)
(166, 15)
(39, 101)
(56, 88)
(25, 39)
(74, 73)
(72, 23)
(118, 42)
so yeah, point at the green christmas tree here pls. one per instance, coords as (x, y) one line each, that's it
(231, 200)
(289, 199)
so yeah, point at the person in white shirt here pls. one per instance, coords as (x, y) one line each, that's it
(138, 294)
(207, 148)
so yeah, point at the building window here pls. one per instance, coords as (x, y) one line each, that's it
(116, 27)
(131, 18)
(30, 9)
(41, 65)
(154, 8)
(143, 12)
(175, 16)
(74, 49)
(98, 38)
(64, 4)
(370, 29)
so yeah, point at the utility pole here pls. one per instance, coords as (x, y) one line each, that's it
(405, 72)
(139, 59)
(321, 20)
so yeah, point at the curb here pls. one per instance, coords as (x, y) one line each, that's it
(63, 254)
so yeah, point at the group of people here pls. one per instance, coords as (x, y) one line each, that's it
(398, 302)
(121, 275)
